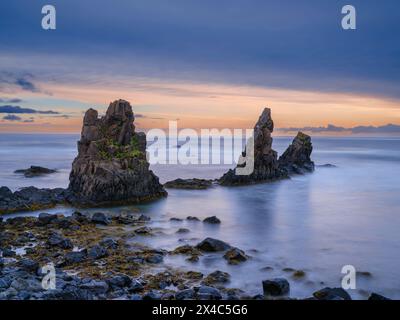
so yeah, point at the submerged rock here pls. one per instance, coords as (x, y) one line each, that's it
(190, 184)
(235, 256)
(35, 171)
(297, 157)
(111, 166)
(377, 297)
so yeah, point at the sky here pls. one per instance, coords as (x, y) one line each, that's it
(207, 64)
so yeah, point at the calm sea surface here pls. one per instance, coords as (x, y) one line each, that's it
(349, 215)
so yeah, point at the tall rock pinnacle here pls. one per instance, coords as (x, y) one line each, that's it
(265, 158)
(111, 165)
(266, 167)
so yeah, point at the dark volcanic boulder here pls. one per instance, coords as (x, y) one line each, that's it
(276, 287)
(332, 294)
(265, 158)
(212, 245)
(35, 171)
(297, 157)
(111, 166)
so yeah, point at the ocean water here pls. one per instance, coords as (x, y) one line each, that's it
(318, 223)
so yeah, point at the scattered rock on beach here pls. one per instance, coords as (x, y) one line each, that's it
(212, 245)
(235, 256)
(332, 294)
(276, 287)
(212, 220)
(100, 218)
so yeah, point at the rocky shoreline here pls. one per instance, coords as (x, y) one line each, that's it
(95, 257)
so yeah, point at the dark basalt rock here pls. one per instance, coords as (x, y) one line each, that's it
(235, 256)
(35, 171)
(111, 166)
(30, 198)
(377, 297)
(189, 184)
(265, 158)
(332, 294)
(276, 287)
(212, 245)
(267, 167)
(297, 157)
(212, 220)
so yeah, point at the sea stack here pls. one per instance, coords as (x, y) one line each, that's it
(295, 160)
(297, 157)
(266, 167)
(111, 166)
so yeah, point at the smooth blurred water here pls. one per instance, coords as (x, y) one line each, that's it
(318, 222)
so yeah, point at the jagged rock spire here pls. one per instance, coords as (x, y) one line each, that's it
(111, 165)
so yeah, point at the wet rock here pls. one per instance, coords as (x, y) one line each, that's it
(152, 295)
(57, 240)
(191, 218)
(111, 166)
(217, 277)
(297, 157)
(143, 231)
(183, 230)
(212, 220)
(45, 218)
(35, 171)
(212, 245)
(100, 218)
(235, 256)
(28, 265)
(208, 293)
(143, 218)
(8, 253)
(266, 166)
(327, 165)
(135, 297)
(154, 258)
(189, 184)
(30, 284)
(194, 275)
(75, 257)
(175, 220)
(276, 287)
(298, 274)
(97, 252)
(187, 294)
(109, 243)
(332, 294)
(119, 281)
(29, 198)
(96, 287)
(136, 286)
(377, 297)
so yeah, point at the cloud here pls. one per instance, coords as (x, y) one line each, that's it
(26, 84)
(330, 128)
(13, 100)
(20, 110)
(139, 115)
(12, 117)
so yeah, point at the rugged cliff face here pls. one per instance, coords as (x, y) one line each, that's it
(266, 166)
(295, 160)
(297, 157)
(111, 165)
